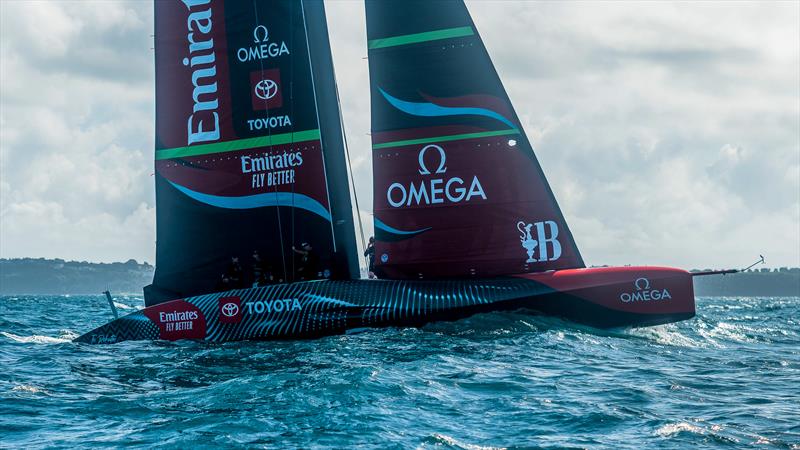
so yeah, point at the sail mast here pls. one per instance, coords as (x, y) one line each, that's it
(344, 233)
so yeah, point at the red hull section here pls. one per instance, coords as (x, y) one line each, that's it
(620, 295)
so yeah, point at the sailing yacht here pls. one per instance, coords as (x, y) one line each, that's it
(255, 226)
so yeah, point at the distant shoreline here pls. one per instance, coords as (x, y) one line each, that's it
(29, 276)
(40, 276)
(782, 282)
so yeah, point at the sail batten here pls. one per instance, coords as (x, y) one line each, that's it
(453, 137)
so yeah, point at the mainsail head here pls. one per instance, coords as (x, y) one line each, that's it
(458, 191)
(243, 162)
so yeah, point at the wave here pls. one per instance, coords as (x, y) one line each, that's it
(439, 440)
(40, 339)
(723, 434)
(668, 335)
(29, 389)
(672, 429)
(124, 306)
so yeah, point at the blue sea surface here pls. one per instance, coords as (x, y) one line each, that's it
(729, 378)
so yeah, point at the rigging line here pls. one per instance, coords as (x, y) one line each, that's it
(349, 164)
(269, 133)
(291, 106)
(319, 124)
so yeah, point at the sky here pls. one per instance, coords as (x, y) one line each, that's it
(669, 132)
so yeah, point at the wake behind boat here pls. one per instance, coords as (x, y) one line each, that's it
(251, 160)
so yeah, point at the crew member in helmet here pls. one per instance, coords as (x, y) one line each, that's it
(370, 254)
(232, 277)
(307, 262)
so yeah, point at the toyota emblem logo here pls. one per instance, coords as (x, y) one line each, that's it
(266, 89)
(230, 309)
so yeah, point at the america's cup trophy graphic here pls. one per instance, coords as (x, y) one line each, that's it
(528, 242)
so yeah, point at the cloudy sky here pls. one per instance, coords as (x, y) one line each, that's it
(670, 132)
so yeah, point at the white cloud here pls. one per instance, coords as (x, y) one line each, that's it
(77, 128)
(669, 132)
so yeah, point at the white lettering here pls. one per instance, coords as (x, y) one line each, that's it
(435, 191)
(278, 306)
(269, 123)
(263, 51)
(430, 191)
(544, 239)
(175, 316)
(476, 189)
(417, 194)
(643, 293)
(203, 66)
(201, 135)
(271, 169)
(460, 191)
(402, 192)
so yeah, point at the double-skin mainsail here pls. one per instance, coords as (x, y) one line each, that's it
(249, 154)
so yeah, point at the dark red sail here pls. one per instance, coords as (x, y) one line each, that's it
(457, 188)
(241, 147)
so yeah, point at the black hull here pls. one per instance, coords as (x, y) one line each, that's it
(603, 298)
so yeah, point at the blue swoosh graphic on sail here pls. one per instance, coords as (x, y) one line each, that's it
(384, 227)
(431, 110)
(259, 200)
(385, 232)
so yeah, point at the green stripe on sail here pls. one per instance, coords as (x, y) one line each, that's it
(239, 144)
(434, 35)
(454, 137)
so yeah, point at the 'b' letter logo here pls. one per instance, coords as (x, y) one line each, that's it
(546, 238)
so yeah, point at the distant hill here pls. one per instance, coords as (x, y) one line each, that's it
(57, 277)
(783, 282)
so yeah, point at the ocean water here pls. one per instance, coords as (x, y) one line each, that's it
(729, 378)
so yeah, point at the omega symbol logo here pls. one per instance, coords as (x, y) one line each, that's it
(423, 169)
(266, 89)
(642, 284)
(260, 34)
(230, 309)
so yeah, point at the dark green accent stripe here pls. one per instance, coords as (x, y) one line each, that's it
(239, 144)
(434, 35)
(454, 137)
